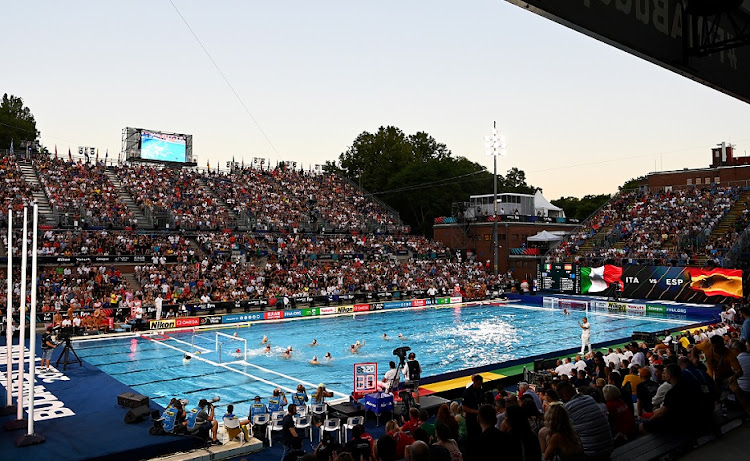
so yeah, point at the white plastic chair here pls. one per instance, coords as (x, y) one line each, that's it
(276, 425)
(331, 425)
(305, 424)
(277, 415)
(259, 420)
(303, 410)
(350, 423)
(233, 424)
(319, 410)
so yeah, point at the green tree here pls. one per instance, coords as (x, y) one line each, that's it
(417, 175)
(633, 183)
(16, 122)
(581, 208)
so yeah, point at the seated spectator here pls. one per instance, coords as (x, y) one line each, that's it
(444, 439)
(492, 441)
(588, 421)
(402, 439)
(413, 422)
(384, 449)
(559, 439)
(516, 423)
(672, 415)
(647, 390)
(327, 447)
(621, 420)
(359, 448)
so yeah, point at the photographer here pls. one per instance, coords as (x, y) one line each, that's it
(47, 347)
(205, 421)
(412, 372)
(277, 401)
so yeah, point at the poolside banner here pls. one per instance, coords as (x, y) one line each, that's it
(210, 320)
(247, 317)
(455, 299)
(186, 322)
(161, 324)
(327, 310)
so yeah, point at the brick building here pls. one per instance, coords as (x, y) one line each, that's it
(724, 169)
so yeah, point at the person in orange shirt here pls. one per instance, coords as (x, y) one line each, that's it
(721, 361)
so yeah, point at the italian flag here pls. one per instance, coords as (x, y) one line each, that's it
(598, 279)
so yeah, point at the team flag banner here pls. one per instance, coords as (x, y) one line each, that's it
(717, 282)
(598, 279)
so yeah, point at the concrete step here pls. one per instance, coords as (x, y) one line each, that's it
(124, 195)
(46, 214)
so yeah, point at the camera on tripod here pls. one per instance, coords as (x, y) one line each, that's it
(400, 352)
(65, 335)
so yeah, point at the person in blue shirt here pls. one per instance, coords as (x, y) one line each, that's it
(277, 401)
(745, 332)
(300, 397)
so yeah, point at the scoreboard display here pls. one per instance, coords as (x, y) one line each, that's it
(559, 277)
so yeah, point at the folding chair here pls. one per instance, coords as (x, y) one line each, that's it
(259, 421)
(305, 424)
(350, 423)
(319, 411)
(274, 426)
(232, 426)
(331, 425)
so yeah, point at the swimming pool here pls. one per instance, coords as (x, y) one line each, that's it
(444, 340)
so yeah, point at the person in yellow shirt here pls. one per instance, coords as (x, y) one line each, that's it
(633, 378)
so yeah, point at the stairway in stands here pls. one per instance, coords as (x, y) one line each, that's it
(726, 225)
(127, 199)
(46, 215)
(235, 217)
(132, 281)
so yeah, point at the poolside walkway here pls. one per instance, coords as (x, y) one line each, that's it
(78, 415)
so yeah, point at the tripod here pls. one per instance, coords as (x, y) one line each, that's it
(66, 354)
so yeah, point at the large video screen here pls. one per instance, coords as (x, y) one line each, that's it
(162, 147)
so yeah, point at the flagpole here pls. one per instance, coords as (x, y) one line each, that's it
(31, 438)
(19, 423)
(9, 407)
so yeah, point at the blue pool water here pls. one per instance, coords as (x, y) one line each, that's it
(444, 340)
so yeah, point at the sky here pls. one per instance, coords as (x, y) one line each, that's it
(580, 117)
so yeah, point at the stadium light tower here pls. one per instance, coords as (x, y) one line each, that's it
(495, 146)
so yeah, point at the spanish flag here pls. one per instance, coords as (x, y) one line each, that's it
(717, 282)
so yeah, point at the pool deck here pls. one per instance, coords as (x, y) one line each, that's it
(89, 423)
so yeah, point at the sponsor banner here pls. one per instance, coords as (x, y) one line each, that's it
(309, 312)
(653, 309)
(456, 299)
(361, 307)
(377, 306)
(161, 324)
(247, 317)
(636, 308)
(443, 301)
(599, 305)
(132, 259)
(187, 322)
(344, 310)
(613, 306)
(211, 320)
(288, 314)
(676, 310)
(273, 315)
(418, 303)
(327, 310)
(397, 304)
